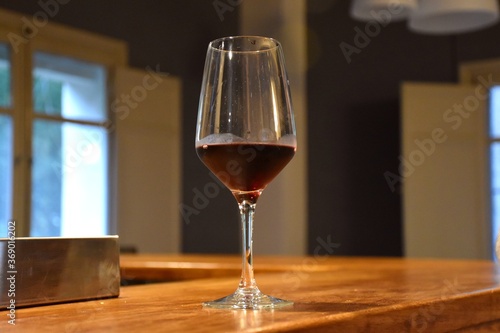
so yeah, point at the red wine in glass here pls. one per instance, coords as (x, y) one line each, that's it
(245, 167)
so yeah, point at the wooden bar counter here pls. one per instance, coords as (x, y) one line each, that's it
(173, 267)
(330, 295)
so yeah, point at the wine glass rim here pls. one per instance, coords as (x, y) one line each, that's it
(277, 44)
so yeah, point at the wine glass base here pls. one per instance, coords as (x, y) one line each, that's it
(247, 299)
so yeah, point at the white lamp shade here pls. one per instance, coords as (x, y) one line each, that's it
(390, 10)
(453, 16)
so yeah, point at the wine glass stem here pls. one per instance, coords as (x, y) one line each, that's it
(247, 210)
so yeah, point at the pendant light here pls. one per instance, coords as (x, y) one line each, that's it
(392, 10)
(453, 16)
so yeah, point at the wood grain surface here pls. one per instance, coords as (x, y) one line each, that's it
(174, 267)
(330, 295)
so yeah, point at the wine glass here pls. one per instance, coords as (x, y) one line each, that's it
(245, 135)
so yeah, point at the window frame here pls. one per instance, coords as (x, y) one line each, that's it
(469, 72)
(60, 40)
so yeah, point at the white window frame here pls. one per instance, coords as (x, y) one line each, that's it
(46, 36)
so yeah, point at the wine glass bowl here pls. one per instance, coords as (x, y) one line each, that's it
(245, 135)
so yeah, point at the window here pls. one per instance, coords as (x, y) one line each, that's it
(54, 139)
(69, 147)
(5, 139)
(495, 158)
(487, 73)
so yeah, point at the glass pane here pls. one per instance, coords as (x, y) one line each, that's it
(5, 97)
(495, 111)
(495, 187)
(69, 180)
(47, 95)
(5, 173)
(69, 88)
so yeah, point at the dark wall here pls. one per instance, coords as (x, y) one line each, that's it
(353, 107)
(173, 34)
